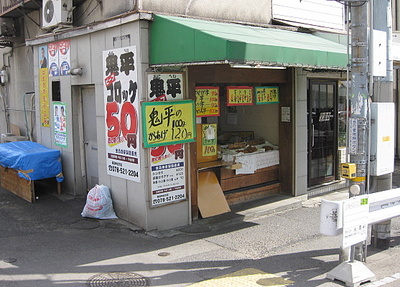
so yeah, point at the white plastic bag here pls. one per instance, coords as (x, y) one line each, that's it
(99, 203)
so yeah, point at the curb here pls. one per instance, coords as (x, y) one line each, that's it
(274, 207)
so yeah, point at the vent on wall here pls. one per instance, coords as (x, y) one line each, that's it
(56, 12)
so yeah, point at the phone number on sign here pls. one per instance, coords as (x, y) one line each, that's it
(169, 198)
(122, 170)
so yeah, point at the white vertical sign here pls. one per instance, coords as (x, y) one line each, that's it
(167, 163)
(355, 220)
(122, 113)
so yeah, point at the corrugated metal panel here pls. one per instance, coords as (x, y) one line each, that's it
(319, 13)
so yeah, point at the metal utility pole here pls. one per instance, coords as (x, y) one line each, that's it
(359, 96)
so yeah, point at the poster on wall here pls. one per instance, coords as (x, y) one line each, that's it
(64, 57)
(239, 96)
(168, 175)
(43, 61)
(53, 60)
(207, 101)
(209, 139)
(60, 124)
(122, 113)
(167, 163)
(267, 95)
(44, 87)
(166, 123)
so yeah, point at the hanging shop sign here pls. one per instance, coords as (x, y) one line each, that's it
(209, 139)
(165, 86)
(167, 163)
(207, 101)
(121, 113)
(60, 124)
(166, 123)
(267, 95)
(239, 96)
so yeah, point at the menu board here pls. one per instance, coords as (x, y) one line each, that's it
(267, 95)
(207, 101)
(239, 96)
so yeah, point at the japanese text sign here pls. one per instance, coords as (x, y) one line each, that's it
(44, 97)
(209, 139)
(165, 86)
(355, 220)
(239, 96)
(166, 123)
(58, 58)
(207, 101)
(121, 113)
(267, 95)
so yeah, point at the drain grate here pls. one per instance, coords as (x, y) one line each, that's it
(122, 279)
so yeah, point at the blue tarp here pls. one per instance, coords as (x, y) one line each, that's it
(32, 160)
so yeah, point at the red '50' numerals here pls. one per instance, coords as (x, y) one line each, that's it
(124, 121)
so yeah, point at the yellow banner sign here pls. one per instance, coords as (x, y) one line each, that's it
(239, 96)
(267, 95)
(207, 101)
(166, 123)
(44, 97)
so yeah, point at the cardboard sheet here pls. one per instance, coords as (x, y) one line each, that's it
(211, 199)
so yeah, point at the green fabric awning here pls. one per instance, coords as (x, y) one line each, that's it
(184, 41)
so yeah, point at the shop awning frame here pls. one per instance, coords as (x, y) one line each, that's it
(179, 41)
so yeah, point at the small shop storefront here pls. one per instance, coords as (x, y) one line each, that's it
(236, 157)
(244, 83)
(181, 118)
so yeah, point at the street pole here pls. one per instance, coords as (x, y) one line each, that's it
(359, 105)
(363, 87)
(359, 95)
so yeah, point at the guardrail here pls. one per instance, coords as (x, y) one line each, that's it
(382, 206)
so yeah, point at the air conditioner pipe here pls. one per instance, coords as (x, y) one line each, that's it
(6, 112)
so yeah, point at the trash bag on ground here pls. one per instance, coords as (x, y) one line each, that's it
(99, 203)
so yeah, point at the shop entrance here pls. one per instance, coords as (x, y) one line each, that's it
(322, 131)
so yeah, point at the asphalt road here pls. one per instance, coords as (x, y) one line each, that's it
(48, 243)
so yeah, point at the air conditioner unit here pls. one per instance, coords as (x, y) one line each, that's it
(56, 12)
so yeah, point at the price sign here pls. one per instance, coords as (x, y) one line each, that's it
(267, 95)
(207, 101)
(209, 139)
(166, 123)
(240, 96)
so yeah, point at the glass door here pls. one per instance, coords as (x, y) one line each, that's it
(322, 135)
